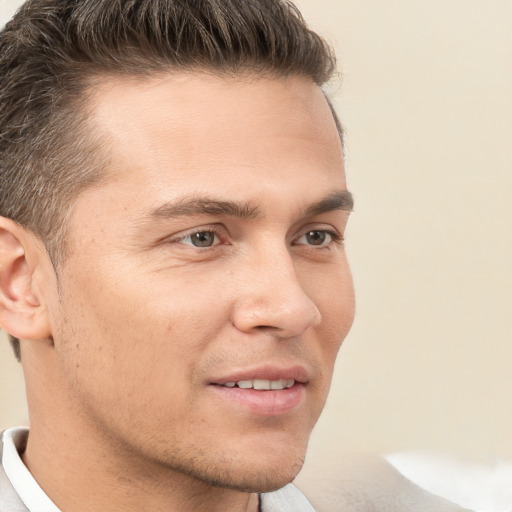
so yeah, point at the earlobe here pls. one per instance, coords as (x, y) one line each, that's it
(22, 311)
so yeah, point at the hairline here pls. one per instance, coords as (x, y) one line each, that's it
(57, 247)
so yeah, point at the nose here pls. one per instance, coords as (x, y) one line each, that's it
(271, 298)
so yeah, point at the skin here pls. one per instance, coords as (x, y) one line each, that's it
(127, 341)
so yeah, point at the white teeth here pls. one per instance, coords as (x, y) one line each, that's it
(262, 384)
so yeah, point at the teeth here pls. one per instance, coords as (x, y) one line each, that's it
(262, 384)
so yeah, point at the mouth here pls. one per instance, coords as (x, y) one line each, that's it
(263, 391)
(261, 384)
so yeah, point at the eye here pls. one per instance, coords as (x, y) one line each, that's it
(200, 239)
(317, 237)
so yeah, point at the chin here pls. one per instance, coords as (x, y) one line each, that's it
(270, 463)
(257, 479)
(263, 469)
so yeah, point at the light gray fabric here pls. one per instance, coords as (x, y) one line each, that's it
(9, 499)
(287, 499)
(366, 483)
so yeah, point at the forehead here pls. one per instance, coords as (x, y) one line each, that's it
(197, 132)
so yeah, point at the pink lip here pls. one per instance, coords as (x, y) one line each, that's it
(263, 402)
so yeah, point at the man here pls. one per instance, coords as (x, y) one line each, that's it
(172, 269)
(173, 275)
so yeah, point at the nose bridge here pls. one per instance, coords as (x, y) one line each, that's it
(273, 296)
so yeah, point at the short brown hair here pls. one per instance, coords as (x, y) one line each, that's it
(52, 51)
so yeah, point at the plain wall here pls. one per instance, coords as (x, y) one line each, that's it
(426, 100)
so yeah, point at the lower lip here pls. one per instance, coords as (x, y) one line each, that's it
(263, 402)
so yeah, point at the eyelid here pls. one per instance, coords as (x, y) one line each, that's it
(220, 231)
(178, 237)
(336, 236)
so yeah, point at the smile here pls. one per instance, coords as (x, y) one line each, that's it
(261, 384)
(269, 391)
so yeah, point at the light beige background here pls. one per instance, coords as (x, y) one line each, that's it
(426, 98)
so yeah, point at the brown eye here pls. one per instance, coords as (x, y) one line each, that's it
(316, 237)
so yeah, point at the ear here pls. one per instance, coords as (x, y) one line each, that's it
(23, 313)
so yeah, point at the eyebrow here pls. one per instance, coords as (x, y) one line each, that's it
(206, 206)
(338, 200)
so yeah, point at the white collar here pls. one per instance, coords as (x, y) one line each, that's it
(31, 494)
(287, 499)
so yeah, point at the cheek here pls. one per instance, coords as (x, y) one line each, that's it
(127, 330)
(337, 309)
(126, 365)
(334, 297)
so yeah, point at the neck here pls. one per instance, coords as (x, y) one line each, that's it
(99, 482)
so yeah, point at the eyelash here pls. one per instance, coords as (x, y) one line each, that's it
(211, 229)
(334, 236)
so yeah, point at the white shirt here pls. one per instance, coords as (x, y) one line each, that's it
(23, 482)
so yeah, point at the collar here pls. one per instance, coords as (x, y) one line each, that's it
(287, 499)
(14, 441)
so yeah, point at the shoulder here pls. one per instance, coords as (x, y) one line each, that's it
(367, 483)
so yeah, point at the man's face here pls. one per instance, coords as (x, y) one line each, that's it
(210, 263)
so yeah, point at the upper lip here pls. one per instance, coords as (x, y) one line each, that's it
(266, 372)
